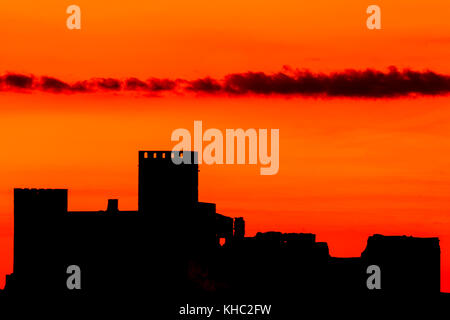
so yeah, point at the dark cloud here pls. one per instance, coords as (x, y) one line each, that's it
(135, 84)
(53, 84)
(206, 85)
(152, 84)
(349, 83)
(108, 84)
(17, 81)
(161, 84)
(261, 83)
(81, 86)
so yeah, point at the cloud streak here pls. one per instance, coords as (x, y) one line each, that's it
(290, 82)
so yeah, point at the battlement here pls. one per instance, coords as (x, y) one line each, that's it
(40, 199)
(158, 155)
(37, 190)
(390, 242)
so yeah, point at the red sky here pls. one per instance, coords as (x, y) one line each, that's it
(348, 167)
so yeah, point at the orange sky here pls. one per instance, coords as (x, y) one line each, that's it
(348, 168)
(201, 37)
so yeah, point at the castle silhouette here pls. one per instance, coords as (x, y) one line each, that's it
(181, 247)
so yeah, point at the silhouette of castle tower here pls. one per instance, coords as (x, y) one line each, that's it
(163, 183)
(38, 216)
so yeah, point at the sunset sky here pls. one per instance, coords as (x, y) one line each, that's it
(349, 166)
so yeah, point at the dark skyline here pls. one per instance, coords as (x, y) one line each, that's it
(185, 246)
